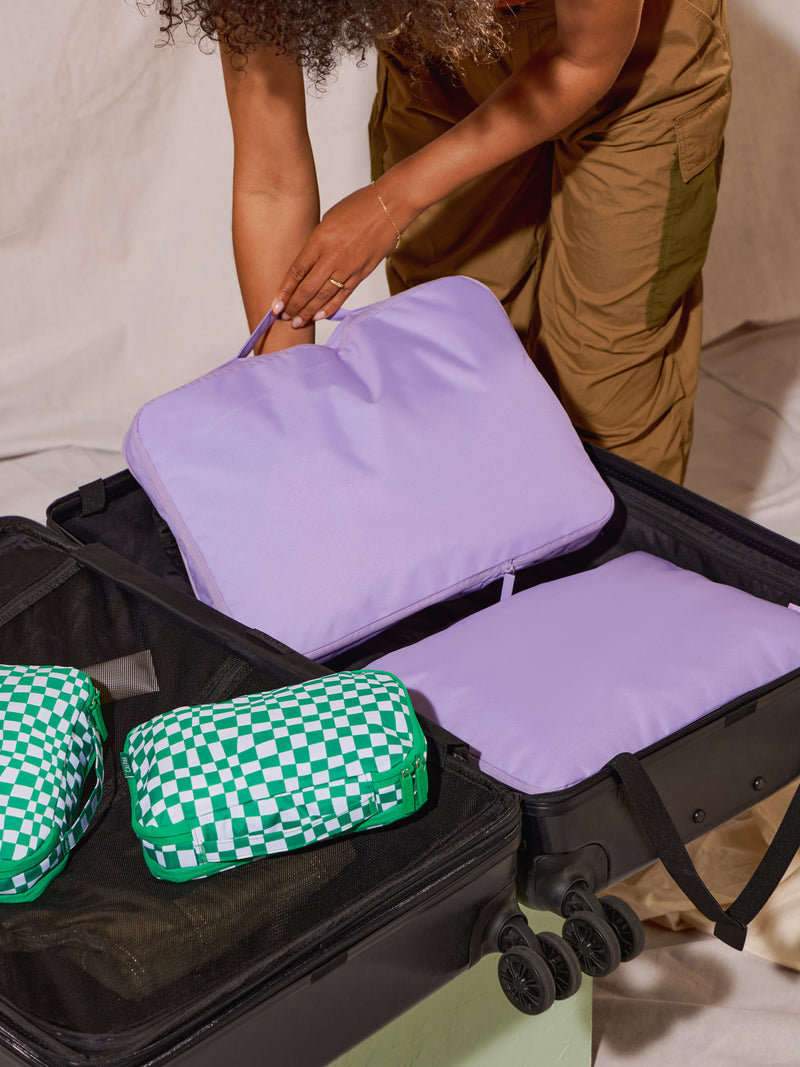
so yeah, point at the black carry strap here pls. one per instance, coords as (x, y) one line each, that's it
(731, 923)
(93, 497)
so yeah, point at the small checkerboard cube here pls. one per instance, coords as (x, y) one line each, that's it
(216, 785)
(51, 738)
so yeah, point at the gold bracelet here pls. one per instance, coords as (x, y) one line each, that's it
(388, 216)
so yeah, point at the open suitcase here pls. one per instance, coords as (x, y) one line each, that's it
(305, 953)
(580, 840)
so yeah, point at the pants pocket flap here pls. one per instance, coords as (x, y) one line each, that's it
(699, 134)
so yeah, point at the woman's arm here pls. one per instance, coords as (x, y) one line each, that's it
(550, 92)
(275, 197)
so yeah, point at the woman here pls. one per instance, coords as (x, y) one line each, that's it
(564, 152)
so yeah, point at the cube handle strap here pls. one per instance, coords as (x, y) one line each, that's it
(267, 321)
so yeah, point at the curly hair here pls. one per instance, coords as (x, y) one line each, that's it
(317, 32)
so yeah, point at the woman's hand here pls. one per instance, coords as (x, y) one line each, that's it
(349, 242)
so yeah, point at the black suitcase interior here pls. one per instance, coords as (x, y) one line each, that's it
(304, 953)
(584, 839)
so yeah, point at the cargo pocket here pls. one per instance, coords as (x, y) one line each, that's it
(691, 206)
(377, 136)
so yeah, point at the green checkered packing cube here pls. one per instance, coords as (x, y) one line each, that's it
(51, 740)
(216, 785)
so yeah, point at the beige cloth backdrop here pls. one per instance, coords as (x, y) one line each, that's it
(116, 272)
(117, 279)
(116, 275)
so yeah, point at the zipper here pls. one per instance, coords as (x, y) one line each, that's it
(95, 715)
(451, 592)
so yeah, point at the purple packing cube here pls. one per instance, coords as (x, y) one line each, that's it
(550, 684)
(325, 492)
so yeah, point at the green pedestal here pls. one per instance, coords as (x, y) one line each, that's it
(469, 1023)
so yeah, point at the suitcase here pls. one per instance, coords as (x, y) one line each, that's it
(578, 841)
(113, 966)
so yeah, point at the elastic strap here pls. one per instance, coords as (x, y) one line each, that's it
(731, 923)
(309, 816)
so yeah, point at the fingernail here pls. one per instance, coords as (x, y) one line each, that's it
(284, 317)
(278, 307)
(297, 322)
(319, 315)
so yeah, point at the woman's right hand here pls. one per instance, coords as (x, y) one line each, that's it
(353, 237)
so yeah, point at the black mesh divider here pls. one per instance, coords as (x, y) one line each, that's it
(123, 518)
(110, 962)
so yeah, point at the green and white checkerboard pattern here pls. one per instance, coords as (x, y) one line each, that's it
(216, 785)
(51, 735)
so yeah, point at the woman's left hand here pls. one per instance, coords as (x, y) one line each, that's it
(348, 243)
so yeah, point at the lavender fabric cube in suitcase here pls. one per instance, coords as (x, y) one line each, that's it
(549, 685)
(324, 492)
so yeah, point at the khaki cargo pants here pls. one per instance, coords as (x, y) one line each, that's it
(593, 241)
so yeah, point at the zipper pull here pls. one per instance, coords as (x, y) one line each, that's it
(408, 790)
(507, 587)
(414, 786)
(421, 780)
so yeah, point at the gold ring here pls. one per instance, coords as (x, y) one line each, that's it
(339, 285)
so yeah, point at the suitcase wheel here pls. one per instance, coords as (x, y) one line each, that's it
(557, 954)
(626, 925)
(563, 963)
(526, 980)
(579, 897)
(594, 941)
(620, 916)
(516, 931)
